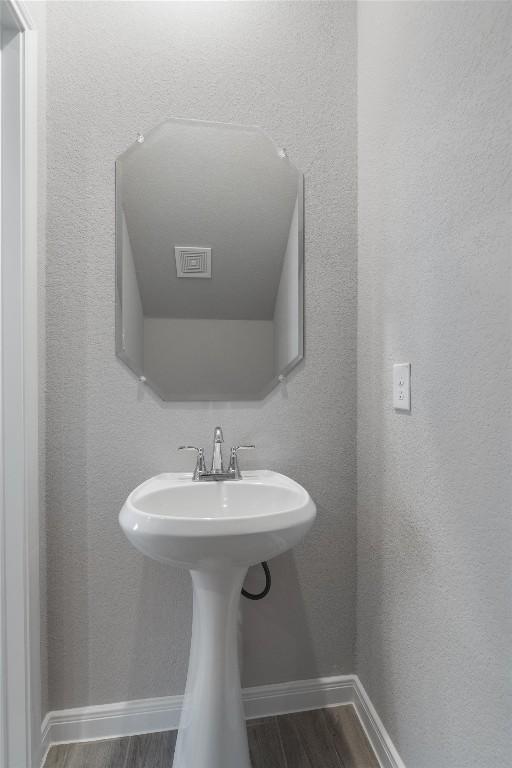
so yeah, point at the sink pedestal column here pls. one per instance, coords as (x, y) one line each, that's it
(212, 732)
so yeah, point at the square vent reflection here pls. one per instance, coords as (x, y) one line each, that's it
(193, 262)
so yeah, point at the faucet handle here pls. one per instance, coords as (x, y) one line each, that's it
(200, 463)
(234, 469)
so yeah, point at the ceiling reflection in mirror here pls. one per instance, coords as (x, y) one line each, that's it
(209, 261)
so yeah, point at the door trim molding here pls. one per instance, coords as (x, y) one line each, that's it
(128, 718)
(20, 704)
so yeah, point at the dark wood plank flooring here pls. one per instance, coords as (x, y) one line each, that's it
(323, 738)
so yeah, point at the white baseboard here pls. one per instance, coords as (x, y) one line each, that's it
(128, 718)
(378, 737)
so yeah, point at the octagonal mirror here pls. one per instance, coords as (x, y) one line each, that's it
(209, 261)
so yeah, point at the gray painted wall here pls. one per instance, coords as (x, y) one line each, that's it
(119, 625)
(434, 525)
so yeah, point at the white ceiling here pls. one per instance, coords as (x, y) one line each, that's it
(215, 185)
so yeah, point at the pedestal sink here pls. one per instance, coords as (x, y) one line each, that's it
(216, 530)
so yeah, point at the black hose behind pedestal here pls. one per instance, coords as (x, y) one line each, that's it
(266, 590)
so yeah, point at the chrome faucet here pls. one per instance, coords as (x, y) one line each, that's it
(217, 471)
(217, 462)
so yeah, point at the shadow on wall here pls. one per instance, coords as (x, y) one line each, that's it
(67, 461)
(266, 628)
(68, 611)
(164, 592)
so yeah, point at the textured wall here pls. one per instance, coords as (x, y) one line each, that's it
(119, 624)
(434, 525)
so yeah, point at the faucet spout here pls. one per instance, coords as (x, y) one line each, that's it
(217, 462)
(217, 472)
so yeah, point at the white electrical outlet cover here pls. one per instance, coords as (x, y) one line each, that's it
(402, 386)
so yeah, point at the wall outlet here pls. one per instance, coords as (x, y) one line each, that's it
(402, 386)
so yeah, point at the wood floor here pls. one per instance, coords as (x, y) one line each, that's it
(323, 738)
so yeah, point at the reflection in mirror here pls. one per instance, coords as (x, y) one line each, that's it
(209, 254)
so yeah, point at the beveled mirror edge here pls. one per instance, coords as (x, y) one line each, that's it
(118, 332)
(194, 121)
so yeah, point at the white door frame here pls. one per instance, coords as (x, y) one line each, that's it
(20, 667)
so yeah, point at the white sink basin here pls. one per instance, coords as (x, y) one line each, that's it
(196, 524)
(217, 530)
